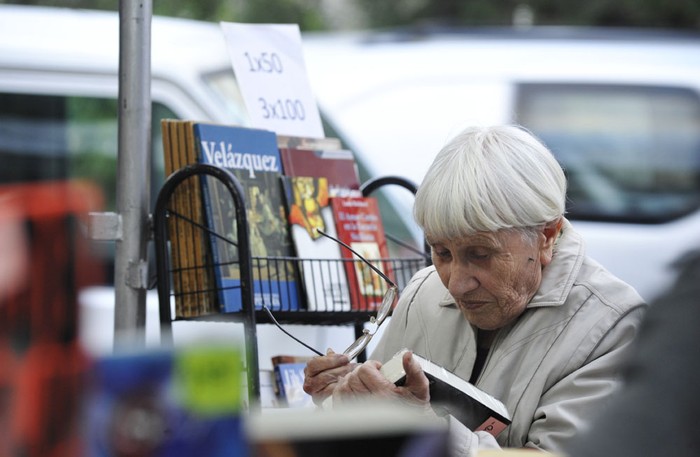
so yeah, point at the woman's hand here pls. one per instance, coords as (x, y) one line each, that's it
(366, 380)
(322, 373)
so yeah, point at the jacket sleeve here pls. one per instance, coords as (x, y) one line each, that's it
(656, 411)
(465, 443)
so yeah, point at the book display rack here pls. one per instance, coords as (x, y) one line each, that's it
(167, 217)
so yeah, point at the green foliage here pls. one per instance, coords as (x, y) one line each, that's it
(619, 13)
(309, 14)
(302, 12)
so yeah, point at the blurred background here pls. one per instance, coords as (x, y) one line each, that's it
(612, 87)
(363, 14)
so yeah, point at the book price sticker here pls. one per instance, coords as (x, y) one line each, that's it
(269, 65)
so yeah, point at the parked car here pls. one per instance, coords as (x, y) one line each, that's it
(620, 109)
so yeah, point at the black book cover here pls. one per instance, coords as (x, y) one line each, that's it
(450, 394)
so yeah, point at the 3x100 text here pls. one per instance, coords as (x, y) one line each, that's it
(282, 109)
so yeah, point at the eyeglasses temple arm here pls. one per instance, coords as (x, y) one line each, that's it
(407, 246)
(369, 264)
(274, 321)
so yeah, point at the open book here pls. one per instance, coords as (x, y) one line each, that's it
(450, 394)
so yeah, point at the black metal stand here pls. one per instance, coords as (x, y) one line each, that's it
(160, 216)
(249, 316)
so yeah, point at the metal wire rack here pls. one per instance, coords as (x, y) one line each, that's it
(187, 289)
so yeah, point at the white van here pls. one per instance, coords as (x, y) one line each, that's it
(622, 112)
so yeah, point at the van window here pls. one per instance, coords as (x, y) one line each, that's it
(630, 153)
(45, 137)
(225, 89)
(48, 137)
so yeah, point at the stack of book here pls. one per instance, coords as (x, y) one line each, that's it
(292, 187)
(191, 255)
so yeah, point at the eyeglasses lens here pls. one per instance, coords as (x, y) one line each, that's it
(359, 345)
(382, 312)
(385, 307)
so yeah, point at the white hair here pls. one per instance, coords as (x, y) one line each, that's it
(488, 179)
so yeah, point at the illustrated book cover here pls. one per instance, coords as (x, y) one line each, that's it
(286, 358)
(320, 262)
(450, 394)
(359, 224)
(253, 158)
(289, 378)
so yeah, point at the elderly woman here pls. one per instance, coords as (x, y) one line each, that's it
(512, 303)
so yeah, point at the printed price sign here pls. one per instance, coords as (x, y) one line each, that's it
(269, 65)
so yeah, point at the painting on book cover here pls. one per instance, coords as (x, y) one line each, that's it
(320, 261)
(369, 283)
(274, 274)
(268, 236)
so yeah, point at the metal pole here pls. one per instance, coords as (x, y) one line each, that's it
(134, 171)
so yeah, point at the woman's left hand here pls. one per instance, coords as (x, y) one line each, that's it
(366, 380)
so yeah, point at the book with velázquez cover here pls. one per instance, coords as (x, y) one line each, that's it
(450, 394)
(320, 260)
(253, 158)
(359, 224)
(191, 256)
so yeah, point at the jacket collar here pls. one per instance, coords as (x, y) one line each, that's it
(558, 277)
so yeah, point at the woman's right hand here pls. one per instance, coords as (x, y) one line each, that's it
(322, 373)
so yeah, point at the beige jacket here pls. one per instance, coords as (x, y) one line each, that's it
(554, 368)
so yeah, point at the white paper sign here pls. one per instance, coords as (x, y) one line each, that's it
(269, 65)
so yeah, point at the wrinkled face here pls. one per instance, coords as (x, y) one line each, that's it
(493, 275)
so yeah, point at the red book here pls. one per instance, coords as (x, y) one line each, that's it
(337, 166)
(359, 224)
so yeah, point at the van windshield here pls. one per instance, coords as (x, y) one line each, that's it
(630, 153)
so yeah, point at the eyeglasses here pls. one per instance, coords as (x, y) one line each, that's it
(383, 310)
